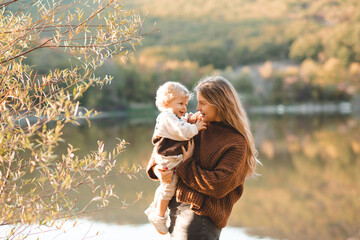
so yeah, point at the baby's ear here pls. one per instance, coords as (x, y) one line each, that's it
(165, 103)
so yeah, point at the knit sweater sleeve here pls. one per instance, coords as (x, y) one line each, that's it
(149, 168)
(228, 174)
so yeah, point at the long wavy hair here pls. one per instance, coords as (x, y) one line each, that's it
(219, 92)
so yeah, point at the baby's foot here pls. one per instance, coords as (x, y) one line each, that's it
(149, 210)
(159, 223)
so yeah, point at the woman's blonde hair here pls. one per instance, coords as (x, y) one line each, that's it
(219, 92)
(167, 92)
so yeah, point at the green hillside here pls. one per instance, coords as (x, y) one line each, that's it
(244, 31)
(247, 41)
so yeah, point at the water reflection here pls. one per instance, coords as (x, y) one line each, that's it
(309, 186)
(84, 229)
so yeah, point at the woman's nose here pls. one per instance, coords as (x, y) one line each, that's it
(197, 108)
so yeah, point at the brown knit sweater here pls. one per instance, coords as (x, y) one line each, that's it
(168, 147)
(212, 180)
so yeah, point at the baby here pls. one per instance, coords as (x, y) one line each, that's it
(171, 133)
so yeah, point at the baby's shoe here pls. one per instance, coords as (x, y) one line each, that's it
(149, 210)
(159, 223)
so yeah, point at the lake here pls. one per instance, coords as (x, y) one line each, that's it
(309, 186)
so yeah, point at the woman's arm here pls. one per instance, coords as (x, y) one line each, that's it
(149, 168)
(229, 173)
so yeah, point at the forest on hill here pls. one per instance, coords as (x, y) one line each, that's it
(243, 31)
(243, 40)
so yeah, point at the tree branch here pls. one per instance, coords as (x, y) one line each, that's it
(2, 5)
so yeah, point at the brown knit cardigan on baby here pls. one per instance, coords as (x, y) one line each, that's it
(212, 180)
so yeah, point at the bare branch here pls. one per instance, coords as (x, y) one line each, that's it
(2, 5)
(53, 96)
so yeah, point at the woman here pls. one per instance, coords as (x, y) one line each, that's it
(215, 165)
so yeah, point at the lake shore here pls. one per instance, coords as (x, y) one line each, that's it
(149, 111)
(341, 108)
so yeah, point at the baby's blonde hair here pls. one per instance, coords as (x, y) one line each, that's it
(220, 93)
(168, 91)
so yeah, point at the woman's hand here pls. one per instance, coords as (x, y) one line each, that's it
(163, 174)
(190, 150)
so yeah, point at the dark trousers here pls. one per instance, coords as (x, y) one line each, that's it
(187, 225)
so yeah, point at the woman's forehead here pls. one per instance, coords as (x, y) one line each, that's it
(200, 98)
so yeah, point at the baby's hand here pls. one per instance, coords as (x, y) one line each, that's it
(186, 117)
(194, 117)
(200, 124)
(198, 116)
(189, 118)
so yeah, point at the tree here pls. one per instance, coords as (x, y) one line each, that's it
(35, 183)
(307, 46)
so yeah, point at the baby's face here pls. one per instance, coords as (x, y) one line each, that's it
(178, 105)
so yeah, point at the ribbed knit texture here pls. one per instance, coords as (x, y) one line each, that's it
(213, 179)
(168, 147)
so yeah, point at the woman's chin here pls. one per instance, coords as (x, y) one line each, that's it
(205, 119)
